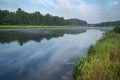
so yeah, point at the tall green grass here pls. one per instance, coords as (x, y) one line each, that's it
(102, 61)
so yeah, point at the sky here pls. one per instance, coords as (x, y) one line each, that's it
(92, 11)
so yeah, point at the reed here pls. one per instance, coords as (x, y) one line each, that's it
(102, 61)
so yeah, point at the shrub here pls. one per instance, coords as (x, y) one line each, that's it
(116, 30)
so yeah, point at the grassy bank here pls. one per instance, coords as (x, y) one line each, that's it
(102, 61)
(34, 27)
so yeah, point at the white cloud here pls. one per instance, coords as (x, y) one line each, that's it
(116, 2)
(112, 16)
(81, 10)
(113, 2)
(92, 13)
(47, 3)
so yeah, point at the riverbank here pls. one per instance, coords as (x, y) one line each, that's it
(102, 61)
(35, 27)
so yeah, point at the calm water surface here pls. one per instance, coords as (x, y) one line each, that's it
(42, 54)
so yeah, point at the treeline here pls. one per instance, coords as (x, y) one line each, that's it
(77, 22)
(21, 17)
(108, 24)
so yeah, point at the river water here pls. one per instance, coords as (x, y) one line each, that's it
(42, 54)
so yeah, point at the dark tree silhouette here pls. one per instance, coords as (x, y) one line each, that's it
(21, 17)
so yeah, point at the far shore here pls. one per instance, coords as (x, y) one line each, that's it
(37, 27)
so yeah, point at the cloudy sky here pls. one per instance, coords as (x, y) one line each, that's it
(93, 11)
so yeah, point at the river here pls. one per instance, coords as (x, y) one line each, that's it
(46, 54)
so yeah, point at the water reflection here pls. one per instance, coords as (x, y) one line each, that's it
(23, 36)
(43, 60)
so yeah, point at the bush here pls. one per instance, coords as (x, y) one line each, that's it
(116, 30)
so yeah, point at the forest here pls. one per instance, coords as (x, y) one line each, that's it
(105, 24)
(20, 17)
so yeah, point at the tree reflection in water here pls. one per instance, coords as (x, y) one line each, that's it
(23, 36)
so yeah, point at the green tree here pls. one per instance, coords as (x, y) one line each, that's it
(21, 17)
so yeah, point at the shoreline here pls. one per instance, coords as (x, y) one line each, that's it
(98, 63)
(36, 27)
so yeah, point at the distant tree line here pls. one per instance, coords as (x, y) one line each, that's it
(21, 17)
(77, 22)
(104, 24)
